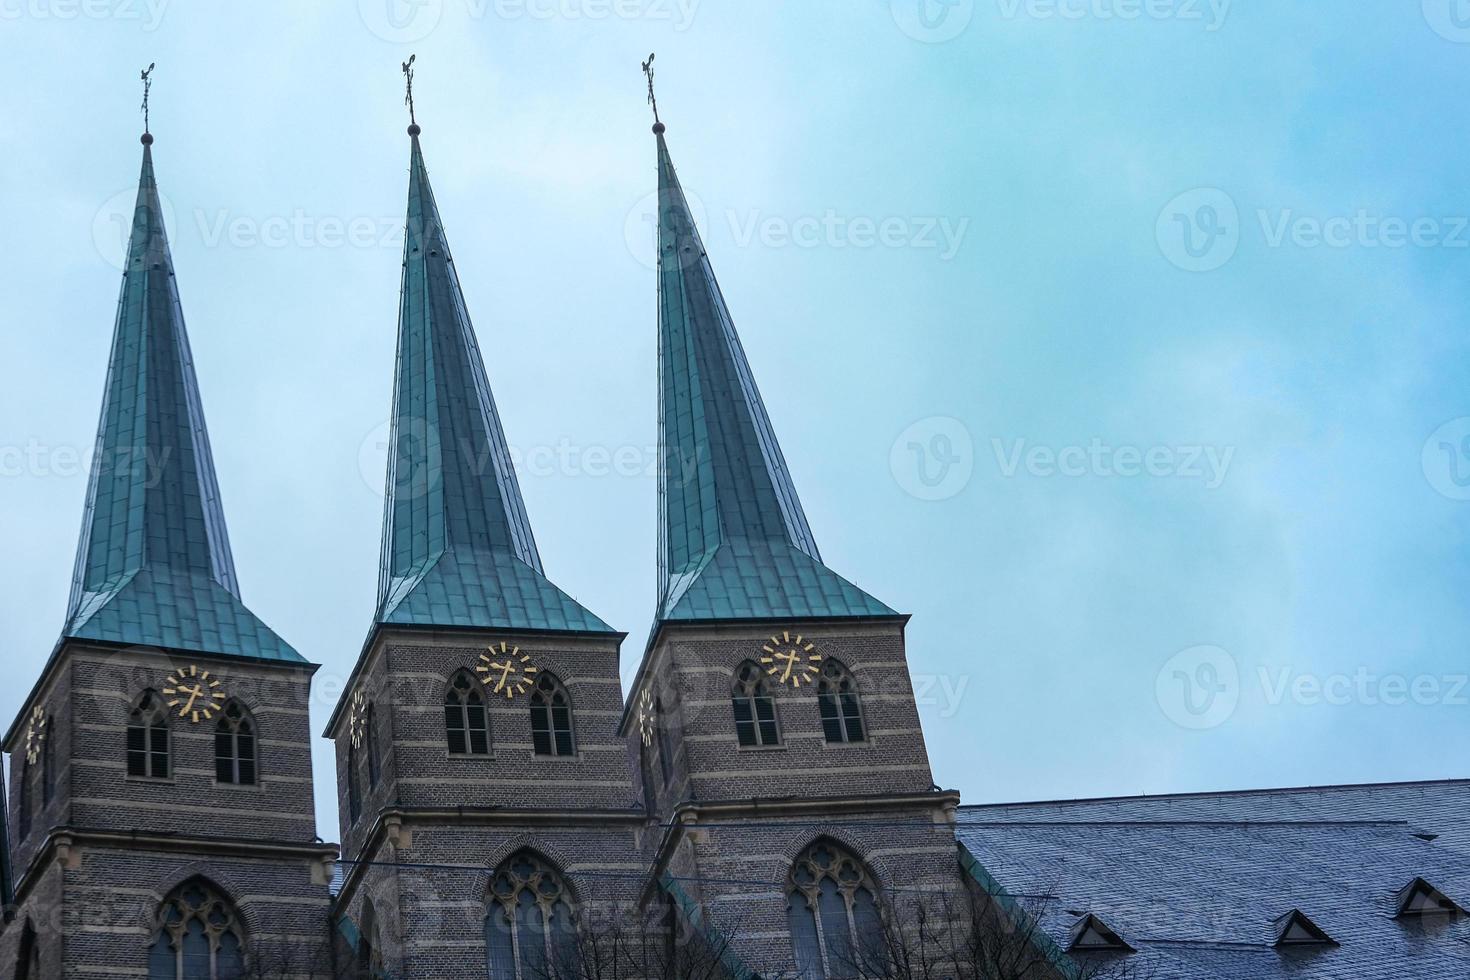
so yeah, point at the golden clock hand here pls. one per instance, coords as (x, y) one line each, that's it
(790, 659)
(193, 696)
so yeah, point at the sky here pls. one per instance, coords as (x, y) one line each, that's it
(1120, 342)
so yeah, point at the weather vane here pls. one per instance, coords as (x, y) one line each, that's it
(147, 85)
(408, 81)
(652, 99)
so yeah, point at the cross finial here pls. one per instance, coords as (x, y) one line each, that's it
(147, 78)
(413, 123)
(652, 99)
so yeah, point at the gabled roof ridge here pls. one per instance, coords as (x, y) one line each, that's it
(1305, 822)
(1218, 794)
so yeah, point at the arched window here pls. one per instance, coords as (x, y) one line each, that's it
(465, 725)
(665, 741)
(234, 746)
(837, 700)
(48, 772)
(370, 736)
(529, 929)
(369, 949)
(28, 961)
(755, 709)
(148, 738)
(551, 717)
(645, 773)
(832, 909)
(198, 936)
(354, 797)
(23, 803)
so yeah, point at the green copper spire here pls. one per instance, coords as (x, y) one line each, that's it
(457, 545)
(734, 542)
(154, 566)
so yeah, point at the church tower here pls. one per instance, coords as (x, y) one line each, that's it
(161, 815)
(485, 791)
(773, 713)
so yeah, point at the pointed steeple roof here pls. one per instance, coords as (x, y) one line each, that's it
(154, 566)
(734, 541)
(457, 545)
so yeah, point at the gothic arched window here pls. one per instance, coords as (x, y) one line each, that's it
(148, 738)
(529, 929)
(28, 961)
(551, 717)
(198, 936)
(837, 700)
(466, 726)
(370, 736)
(755, 709)
(23, 802)
(645, 774)
(832, 910)
(234, 746)
(369, 949)
(354, 796)
(48, 772)
(665, 741)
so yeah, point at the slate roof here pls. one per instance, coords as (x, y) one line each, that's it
(734, 542)
(1195, 883)
(153, 565)
(457, 544)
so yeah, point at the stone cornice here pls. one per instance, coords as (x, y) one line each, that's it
(65, 844)
(689, 816)
(393, 826)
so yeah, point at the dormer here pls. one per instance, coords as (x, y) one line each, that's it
(1295, 929)
(1091, 935)
(1419, 898)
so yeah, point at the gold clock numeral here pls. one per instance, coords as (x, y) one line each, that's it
(359, 718)
(35, 734)
(647, 717)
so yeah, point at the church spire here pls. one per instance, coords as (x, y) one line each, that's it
(457, 544)
(154, 566)
(734, 541)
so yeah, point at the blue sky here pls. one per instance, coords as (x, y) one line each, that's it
(1121, 342)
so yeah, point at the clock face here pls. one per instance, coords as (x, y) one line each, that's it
(647, 717)
(194, 693)
(359, 717)
(505, 670)
(35, 734)
(790, 659)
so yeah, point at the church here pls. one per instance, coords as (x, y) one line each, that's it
(758, 804)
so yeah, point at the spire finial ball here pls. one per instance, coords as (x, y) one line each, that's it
(659, 128)
(414, 130)
(146, 139)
